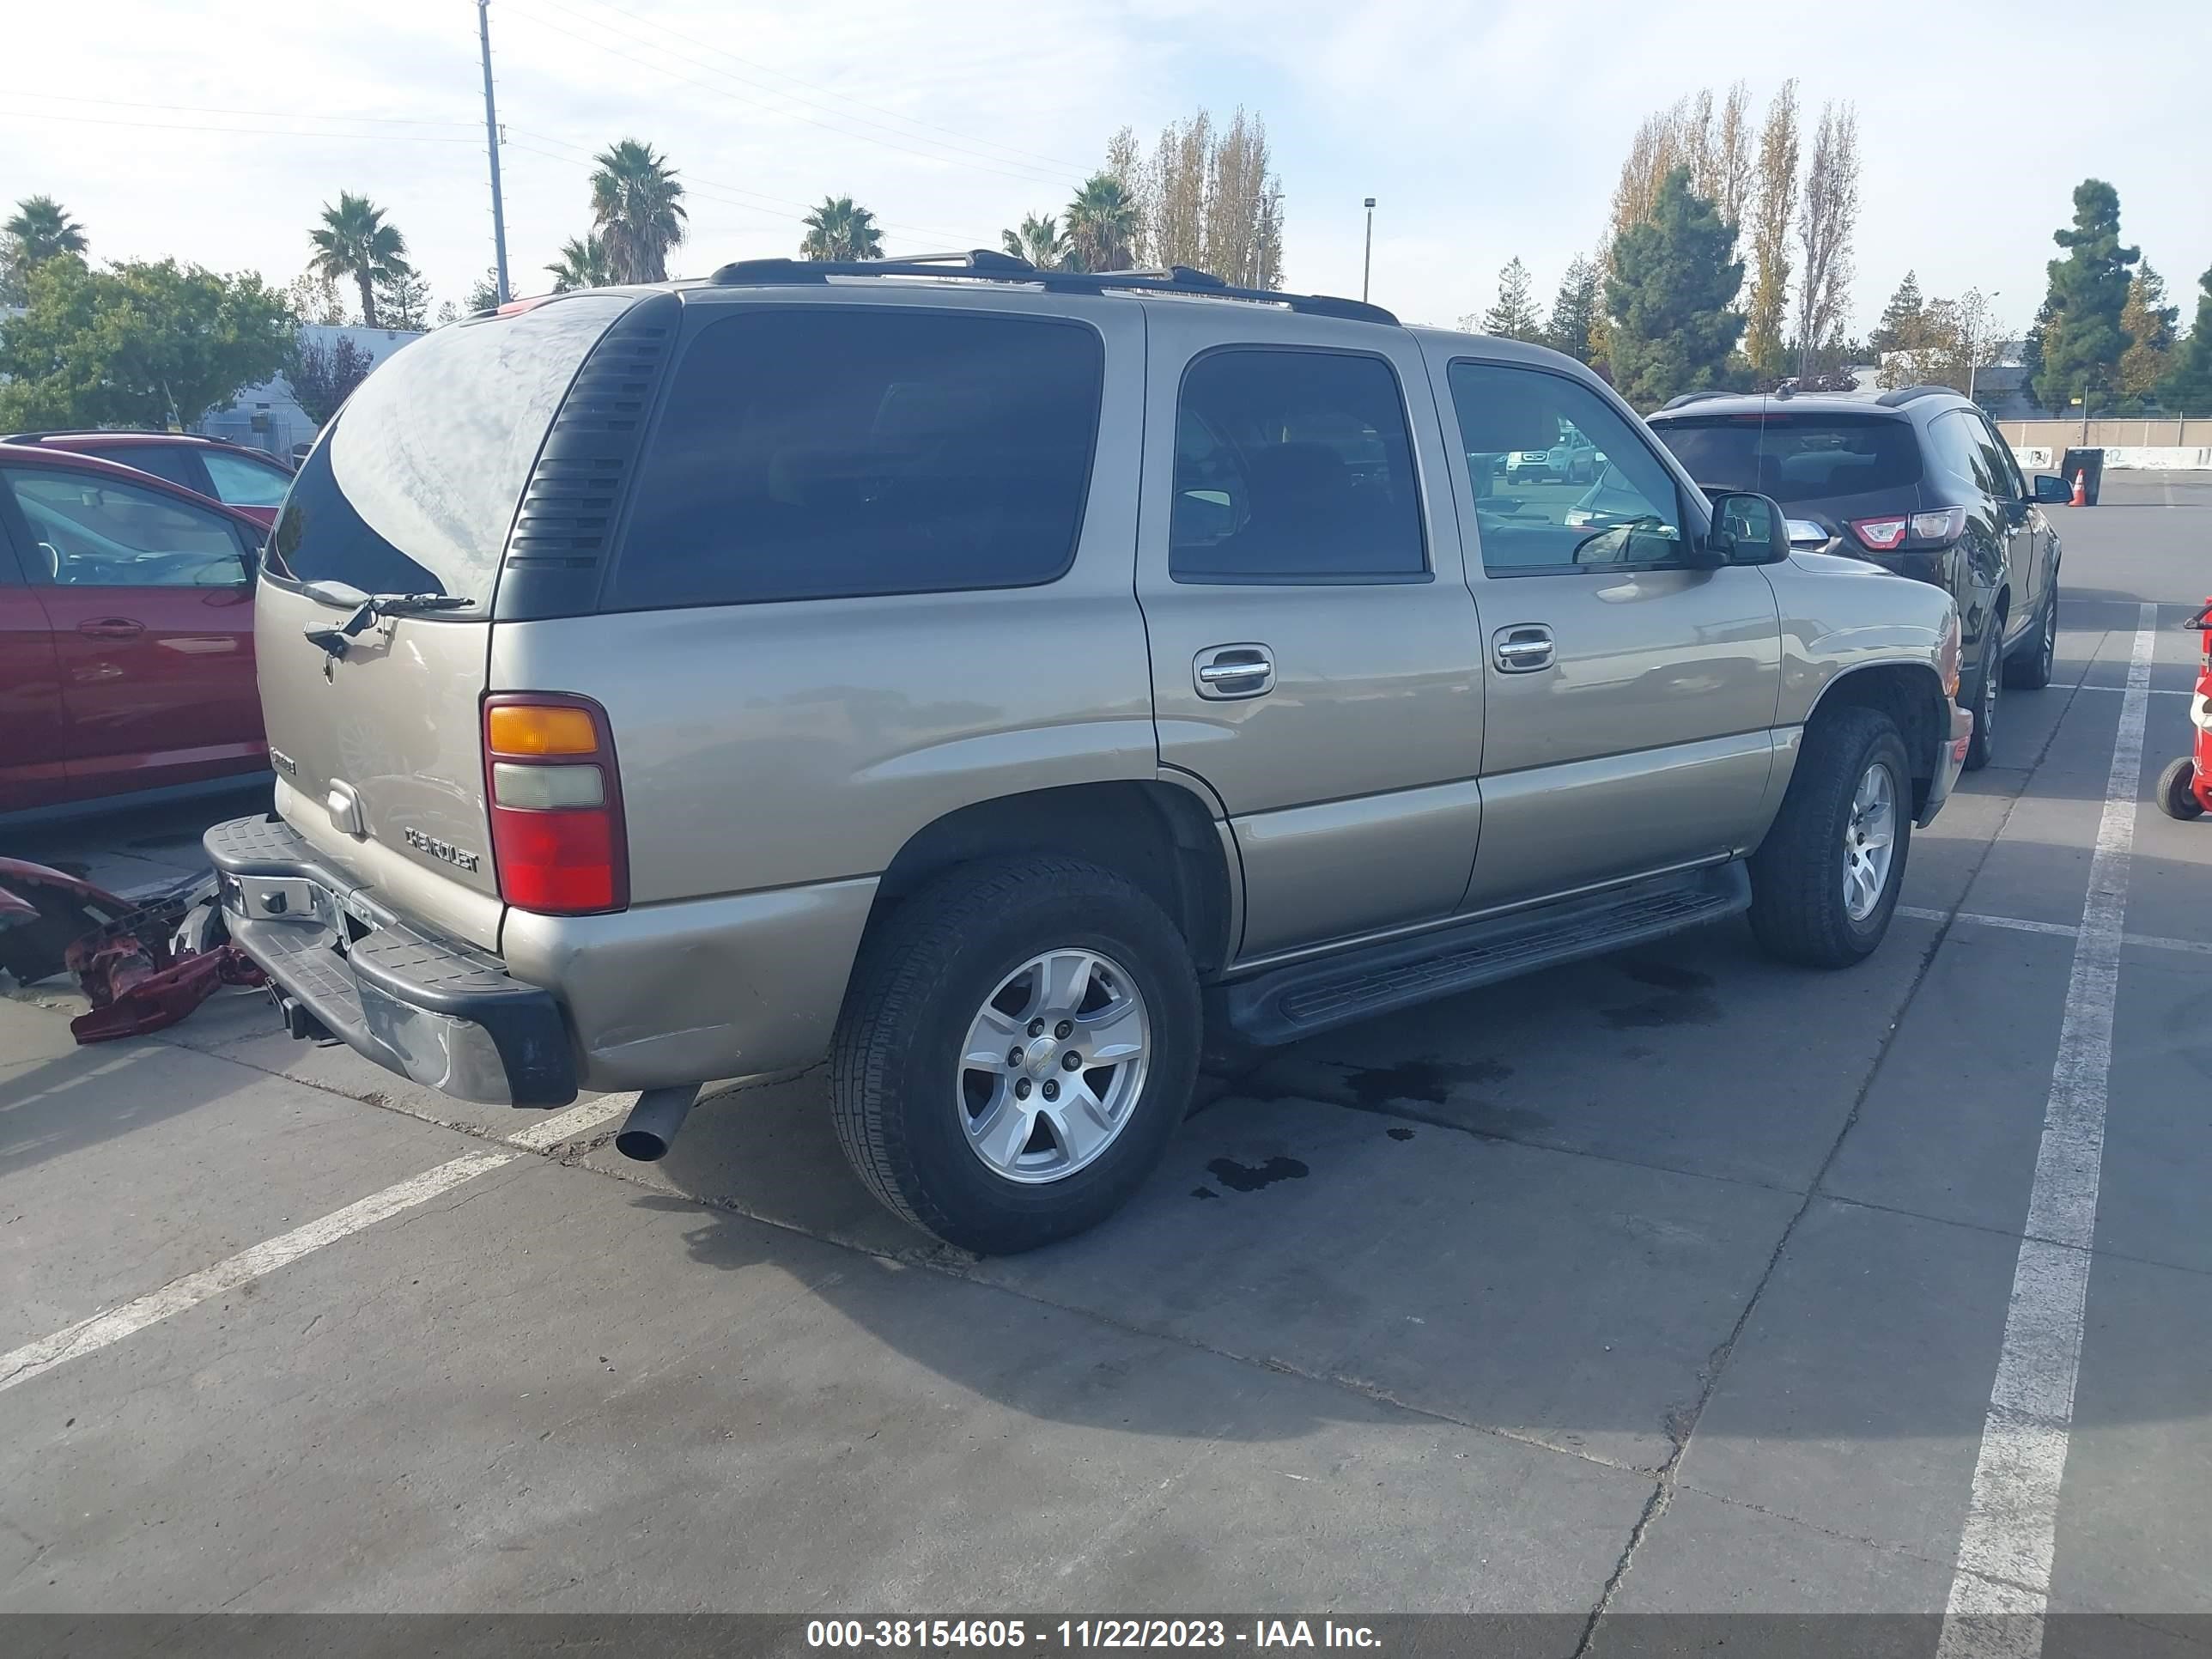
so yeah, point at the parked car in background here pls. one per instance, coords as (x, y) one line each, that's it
(1574, 459)
(246, 479)
(1917, 481)
(996, 679)
(126, 634)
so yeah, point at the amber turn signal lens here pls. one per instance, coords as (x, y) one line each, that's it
(520, 729)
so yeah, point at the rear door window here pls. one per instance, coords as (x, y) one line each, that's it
(1954, 442)
(833, 452)
(1293, 466)
(415, 488)
(1796, 457)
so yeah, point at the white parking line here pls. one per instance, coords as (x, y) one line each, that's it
(2061, 929)
(2002, 1583)
(103, 1329)
(90, 1335)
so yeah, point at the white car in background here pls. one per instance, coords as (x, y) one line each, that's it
(1573, 459)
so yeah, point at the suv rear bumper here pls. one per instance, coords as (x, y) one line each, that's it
(425, 1006)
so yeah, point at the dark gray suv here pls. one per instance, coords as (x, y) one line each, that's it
(1917, 481)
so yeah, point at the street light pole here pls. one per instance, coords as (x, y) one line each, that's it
(491, 145)
(1367, 260)
(1974, 351)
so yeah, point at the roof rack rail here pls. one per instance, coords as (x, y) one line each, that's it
(984, 265)
(1905, 394)
(1694, 397)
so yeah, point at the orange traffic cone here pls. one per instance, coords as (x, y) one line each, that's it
(2080, 487)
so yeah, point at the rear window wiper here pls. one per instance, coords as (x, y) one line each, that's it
(366, 608)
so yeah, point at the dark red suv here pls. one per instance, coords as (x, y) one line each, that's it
(126, 634)
(244, 478)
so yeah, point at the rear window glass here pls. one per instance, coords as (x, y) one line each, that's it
(243, 482)
(1796, 457)
(415, 489)
(838, 452)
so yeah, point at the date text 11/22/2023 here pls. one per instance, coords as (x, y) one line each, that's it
(1069, 1634)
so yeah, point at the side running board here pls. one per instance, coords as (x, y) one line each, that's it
(1285, 1003)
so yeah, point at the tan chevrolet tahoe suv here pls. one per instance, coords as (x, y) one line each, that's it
(997, 680)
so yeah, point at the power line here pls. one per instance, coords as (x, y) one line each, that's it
(959, 140)
(1034, 178)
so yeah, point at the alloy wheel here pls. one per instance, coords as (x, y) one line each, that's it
(1054, 1065)
(1869, 841)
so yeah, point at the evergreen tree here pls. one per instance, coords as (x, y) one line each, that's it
(1670, 296)
(2187, 387)
(2088, 291)
(1514, 317)
(1902, 319)
(1574, 310)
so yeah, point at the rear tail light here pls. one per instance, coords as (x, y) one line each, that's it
(1942, 527)
(1882, 535)
(555, 797)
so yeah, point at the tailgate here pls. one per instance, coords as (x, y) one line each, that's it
(412, 490)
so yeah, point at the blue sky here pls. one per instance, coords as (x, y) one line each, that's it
(213, 130)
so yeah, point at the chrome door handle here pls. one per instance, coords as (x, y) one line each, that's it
(1228, 672)
(1523, 649)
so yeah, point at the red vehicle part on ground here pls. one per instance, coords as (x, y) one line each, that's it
(127, 955)
(2185, 788)
(126, 633)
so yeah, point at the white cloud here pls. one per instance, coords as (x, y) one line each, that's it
(1487, 131)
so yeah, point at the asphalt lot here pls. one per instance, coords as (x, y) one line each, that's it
(1672, 1282)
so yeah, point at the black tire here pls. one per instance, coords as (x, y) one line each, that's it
(1797, 907)
(922, 978)
(2031, 669)
(2176, 791)
(1987, 681)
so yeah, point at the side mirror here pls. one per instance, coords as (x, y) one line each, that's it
(1748, 529)
(2051, 492)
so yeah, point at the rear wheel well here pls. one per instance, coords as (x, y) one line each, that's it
(1912, 697)
(1160, 837)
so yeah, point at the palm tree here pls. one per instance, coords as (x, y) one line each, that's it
(637, 209)
(1039, 241)
(839, 231)
(583, 263)
(1102, 226)
(40, 229)
(354, 242)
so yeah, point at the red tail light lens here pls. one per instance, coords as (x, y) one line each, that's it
(1882, 535)
(555, 797)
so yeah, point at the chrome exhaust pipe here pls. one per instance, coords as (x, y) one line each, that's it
(650, 1129)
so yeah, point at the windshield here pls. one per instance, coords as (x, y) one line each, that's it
(415, 488)
(1796, 457)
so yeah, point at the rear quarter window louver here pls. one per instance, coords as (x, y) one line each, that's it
(564, 528)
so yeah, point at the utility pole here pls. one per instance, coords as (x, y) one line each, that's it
(1367, 260)
(491, 144)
